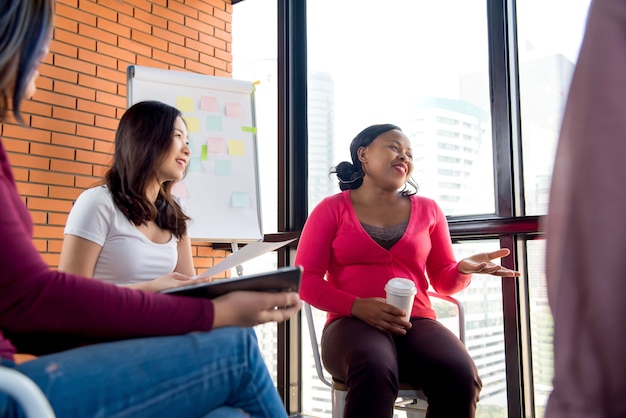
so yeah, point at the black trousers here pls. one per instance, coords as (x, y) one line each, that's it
(372, 363)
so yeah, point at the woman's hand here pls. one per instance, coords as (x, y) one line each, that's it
(247, 309)
(481, 263)
(381, 315)
(165, 282)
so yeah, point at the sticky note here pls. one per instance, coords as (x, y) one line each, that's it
(184, 104)
(223, 168)
(193, 124)
(216, 145)
(235, 147)
(194, 164)
(208, 104)
(251, 129)
(203, 153)
(214, 123)
(240, 200)
(180, 189)
(233, 110)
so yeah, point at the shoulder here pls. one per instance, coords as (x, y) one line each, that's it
(96, 198)
(338, 201)
(425, 205)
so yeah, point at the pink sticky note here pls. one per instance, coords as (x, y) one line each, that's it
(216, 145)
(208, 104)
(233, 110)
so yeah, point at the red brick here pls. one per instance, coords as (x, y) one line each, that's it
(55, 245)
(96, 108)
(53, 151)
(15, 145)
(95, 133)
(213, 21)
(69, 193)
(73, 141)
(74, 64)
(90, 32)
(22, 132)
(99, 11)
(46, 177)
(149, 40)
(93, 157)
(97, 83)
(104, 147)
(216, 63)
(73, 115)
(60, 48)
(20, 174)
(183, 52)
(209, 39)
(40, 244)
(165, 13)
(62, 100)
(70, 167)
(97, 59)
(23, 160)
(67, 43)
(182, 30)
(199, 46)
(87, 182)
(199, 68)
(116, 75)
(55, 218)
(53, 124)
(104, 122)
(141, 4)
(30, 189)
(168, 58)
(111, 99)
(116, 52)
(53, 205)
(180, 8)
(57, 73)
(73, 13)
(69, 25)
(74, 90)
(138, 48)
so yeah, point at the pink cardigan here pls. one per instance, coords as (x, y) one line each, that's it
(37, 300)
(334, 244)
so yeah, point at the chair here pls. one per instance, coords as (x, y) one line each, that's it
(411, 400)
(27, 394)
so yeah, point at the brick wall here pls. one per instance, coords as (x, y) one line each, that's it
(82, 94)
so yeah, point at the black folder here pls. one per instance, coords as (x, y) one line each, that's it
(284, 279)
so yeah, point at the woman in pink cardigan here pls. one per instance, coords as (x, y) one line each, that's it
(352, 244)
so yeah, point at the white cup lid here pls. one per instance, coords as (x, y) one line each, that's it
(400, 286)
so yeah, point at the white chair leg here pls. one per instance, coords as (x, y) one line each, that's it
(26, 393)
(339, 402)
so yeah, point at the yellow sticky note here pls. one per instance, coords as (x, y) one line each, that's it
(193, 124)
(184, 104)
(235, 147)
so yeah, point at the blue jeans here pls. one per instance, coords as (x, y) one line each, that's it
(214, 374)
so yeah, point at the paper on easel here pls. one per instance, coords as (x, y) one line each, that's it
(248, 252)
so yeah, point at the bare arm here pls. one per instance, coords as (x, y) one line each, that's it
(79, 256)
(185, 257)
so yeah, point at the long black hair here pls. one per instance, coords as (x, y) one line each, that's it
(142, 141)
(25, 28)
(350, 174)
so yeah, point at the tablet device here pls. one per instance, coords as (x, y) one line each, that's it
(281, 280)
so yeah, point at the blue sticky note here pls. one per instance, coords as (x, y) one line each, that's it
(214, 123)
(223, 168)
(194, 164)
(240, 200)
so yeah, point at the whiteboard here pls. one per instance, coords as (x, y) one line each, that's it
(221, 189)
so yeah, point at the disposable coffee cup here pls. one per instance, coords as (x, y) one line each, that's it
(400, 293)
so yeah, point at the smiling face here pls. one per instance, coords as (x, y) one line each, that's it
(388, 160)
(175, 162)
